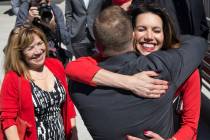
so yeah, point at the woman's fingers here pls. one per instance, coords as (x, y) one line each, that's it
(128, 137)
(153, 136)
(144, 85)
(148, 76)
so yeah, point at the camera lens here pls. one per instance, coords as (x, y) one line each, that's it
(45, 12)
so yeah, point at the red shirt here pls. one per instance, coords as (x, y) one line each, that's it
(84, 69)
(10, 100)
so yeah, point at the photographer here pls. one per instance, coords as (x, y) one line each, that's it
(49, 18)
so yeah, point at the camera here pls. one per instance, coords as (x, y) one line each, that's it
(45, 12)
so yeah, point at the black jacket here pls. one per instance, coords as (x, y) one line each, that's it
(111, 113)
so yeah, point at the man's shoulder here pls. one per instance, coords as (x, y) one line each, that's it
(121, 63)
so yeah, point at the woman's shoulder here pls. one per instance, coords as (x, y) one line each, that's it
(56, 67)
(194, 77)
(10, 80)
(54, 64)
(53, 61)
(193, 81)
(11, 75)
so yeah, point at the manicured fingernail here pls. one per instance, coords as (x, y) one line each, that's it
(127, 137)
(145, 132)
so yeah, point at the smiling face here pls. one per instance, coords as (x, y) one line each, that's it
(148, 33)
(35, 53)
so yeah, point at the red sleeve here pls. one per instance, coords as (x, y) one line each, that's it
(9, 100)
(70, 107)
(191, 108)
(83, 70)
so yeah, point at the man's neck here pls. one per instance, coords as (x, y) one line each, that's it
(114, 53)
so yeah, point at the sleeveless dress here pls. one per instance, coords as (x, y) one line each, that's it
(47, 106)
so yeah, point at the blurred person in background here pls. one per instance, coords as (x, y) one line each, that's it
(80, 15)
(16, 5)
(49, 18)
(188, 15)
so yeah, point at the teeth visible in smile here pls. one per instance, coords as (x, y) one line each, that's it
(148, 45)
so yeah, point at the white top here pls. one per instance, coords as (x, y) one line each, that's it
(86, 3)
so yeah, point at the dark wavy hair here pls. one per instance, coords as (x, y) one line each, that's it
(170, 37)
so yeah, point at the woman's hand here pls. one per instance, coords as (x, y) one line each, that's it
(11, 133)
(145, 85)
(150, 134)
